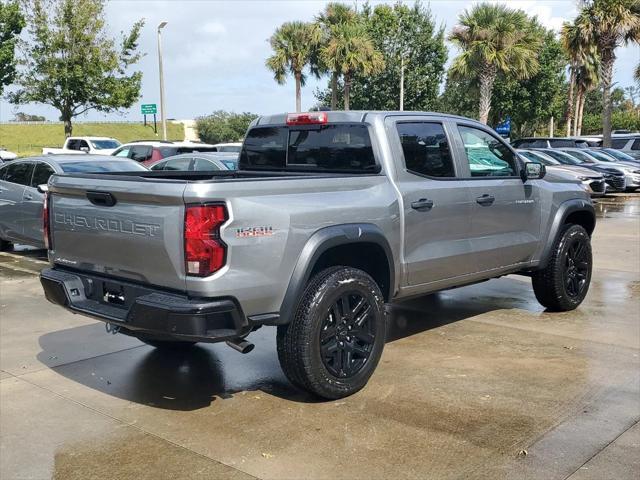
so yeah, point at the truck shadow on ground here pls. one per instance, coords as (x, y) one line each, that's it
(195, 378)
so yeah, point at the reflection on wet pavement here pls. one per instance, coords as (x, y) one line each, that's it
(617, 206)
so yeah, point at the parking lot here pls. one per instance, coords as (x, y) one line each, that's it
(477, 382)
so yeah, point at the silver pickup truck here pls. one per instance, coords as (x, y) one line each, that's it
(330, 216)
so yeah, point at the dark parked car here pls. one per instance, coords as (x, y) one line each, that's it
(550, 142)
(615, 178)
(21, 202)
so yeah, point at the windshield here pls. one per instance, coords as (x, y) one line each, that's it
(105, 144)
(541, 157)
(601, 156)
(563, 158)
(619, 155)
(580, 156)
(102, 166)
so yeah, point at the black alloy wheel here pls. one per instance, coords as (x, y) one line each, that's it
(347, 335)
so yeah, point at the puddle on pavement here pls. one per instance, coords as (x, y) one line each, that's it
(617, 206)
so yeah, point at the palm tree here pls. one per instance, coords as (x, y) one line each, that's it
(294, 45)
(494, 39)
(351, 52)
(607, 24)
(334, 15)
(572, 42)
(587, 79)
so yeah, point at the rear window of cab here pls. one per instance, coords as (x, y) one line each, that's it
(336, 147)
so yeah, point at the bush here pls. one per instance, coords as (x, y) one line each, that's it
(626, 120)
(223, 126)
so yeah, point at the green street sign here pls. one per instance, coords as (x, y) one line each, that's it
(149, 109)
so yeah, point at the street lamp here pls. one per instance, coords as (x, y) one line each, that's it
(163, 112)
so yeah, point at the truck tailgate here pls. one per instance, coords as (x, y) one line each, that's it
(131, 230)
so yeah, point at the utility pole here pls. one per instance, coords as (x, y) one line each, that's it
(163, 111)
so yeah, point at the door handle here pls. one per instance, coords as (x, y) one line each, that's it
(423, 204)
(486, 200)
(28, 196)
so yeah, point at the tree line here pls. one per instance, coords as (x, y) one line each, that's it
(507, 64)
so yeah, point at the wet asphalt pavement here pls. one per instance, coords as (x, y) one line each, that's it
(477, 382)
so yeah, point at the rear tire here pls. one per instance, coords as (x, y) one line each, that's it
(335, 340)
(563, 284)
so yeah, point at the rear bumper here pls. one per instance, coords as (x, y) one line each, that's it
(139, 309)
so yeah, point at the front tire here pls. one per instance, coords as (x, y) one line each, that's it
(563, 284)
(336, 338)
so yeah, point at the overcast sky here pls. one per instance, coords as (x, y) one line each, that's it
(214, 52)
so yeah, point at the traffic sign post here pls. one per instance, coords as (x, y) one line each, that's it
(504, 128)
(150, 109)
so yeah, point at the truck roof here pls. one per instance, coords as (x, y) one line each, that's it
(355, 116)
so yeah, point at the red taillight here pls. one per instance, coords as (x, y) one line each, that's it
(204, 251)
(45, 222)
(307, 118)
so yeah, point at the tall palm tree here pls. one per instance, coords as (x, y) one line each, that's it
(350, 51)
(294, 45)
(587, 79)
(573, 43)
(494, 39)
(607, 24)
(334, 15)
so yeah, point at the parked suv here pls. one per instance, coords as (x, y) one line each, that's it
(330, 216)
(149, 152)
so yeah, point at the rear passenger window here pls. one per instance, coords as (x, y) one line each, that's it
(333, 147)
(619, 143)
(425, 149)
(141, 153)
(19, 173)
(41, 174)
(487, 156)
(636, 144)
(180, 164)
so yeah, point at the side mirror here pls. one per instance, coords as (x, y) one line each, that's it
(533, 171)
(84, 149)
(44, 188)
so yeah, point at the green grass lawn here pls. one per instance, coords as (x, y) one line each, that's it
(27, 140)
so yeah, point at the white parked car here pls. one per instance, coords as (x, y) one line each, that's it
(91, 145)
(6, 155)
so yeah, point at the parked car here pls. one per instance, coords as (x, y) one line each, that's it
(6, 155)
(549, 142)
(631, 172)
(149, 152)
(79, 145)
(629, 144)
(593, 182)
(614, 178)
(191, 162)
(330, 215)
(228, 147)
(21, 202)
(621, 156)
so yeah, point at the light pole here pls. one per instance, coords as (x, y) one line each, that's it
(163, 112)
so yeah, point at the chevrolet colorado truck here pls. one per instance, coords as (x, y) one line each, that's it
(330, 216)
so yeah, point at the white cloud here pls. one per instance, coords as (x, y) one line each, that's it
(212, 28)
